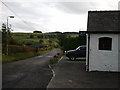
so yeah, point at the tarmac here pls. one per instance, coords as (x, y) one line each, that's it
(73, 74)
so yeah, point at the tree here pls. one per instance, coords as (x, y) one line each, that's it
(61, 39)
(68, 42)
(37, 31)
(4, 32)
(6, 38)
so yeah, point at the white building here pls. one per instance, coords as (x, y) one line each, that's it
(103, 41)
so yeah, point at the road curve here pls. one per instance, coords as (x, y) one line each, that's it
(29, 73)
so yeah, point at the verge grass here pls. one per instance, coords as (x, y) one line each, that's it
(15, 57)
(21, 56)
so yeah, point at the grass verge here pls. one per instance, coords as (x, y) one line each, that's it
(16, 57)
(21, 56)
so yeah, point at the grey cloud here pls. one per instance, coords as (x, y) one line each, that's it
(37, 12)
(77, 7)
(22, 26)
(28, 10)
(27, 26)
(119, 5)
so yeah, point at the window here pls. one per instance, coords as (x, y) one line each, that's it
(82, 48)
(105, 43)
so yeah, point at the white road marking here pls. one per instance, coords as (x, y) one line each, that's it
(43, 56)
(52, 76)
(40, 56)
(60, 59)
(53, 72)
(49, 56)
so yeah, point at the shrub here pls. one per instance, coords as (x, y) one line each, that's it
(69, 42)
(55, 59)
(13, 49)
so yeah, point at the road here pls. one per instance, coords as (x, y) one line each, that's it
(29, 73)
(73, 75)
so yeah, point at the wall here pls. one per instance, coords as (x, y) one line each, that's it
(87, 53)
(119, 52)
(103, 60)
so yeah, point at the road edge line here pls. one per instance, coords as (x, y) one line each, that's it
(60, 59)
(52, 76)
(53, 72)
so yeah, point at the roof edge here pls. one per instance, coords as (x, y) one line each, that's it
(104, 32)
(105, 11)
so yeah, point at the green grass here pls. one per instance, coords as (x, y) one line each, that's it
(27, 41)
(42, 52)
(73, 35)
(15, 57)
(21, 56)
(24, 40)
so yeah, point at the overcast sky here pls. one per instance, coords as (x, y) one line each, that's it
(51, 15)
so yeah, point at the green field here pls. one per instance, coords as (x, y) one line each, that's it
(15, 57)
(24, 38)
(20, 48)
(20, 51)
(20, 56)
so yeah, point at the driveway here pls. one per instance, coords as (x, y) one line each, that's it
(29, 73)
(72, 74)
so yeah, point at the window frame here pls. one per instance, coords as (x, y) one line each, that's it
(105, 43)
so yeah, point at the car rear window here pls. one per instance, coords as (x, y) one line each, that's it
(82, 48)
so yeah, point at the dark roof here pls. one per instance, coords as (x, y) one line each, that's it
(103, 21)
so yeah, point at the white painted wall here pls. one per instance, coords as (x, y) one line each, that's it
(103, 60)
(87, 53)
(119, 52)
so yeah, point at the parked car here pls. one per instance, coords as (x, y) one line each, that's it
(78, 52)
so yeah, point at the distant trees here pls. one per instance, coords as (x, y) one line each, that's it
(57, 32)
(4, 33)
(6, 37)
(67, 42)
(61, 39)
(37, 31)
(70, 33)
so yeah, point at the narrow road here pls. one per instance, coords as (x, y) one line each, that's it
(29, 73)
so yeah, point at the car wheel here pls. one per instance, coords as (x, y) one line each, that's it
(72, 58)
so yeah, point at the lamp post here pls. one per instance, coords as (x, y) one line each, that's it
(7, 34)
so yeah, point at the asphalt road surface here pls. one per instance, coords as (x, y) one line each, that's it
(29, 73)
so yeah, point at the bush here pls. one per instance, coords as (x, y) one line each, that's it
(55, 59)
(13, 49)
(69, 42)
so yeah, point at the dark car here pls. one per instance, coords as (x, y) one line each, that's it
(78, 52)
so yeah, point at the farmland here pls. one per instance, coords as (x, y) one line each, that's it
(25, 45)
(29, 38)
